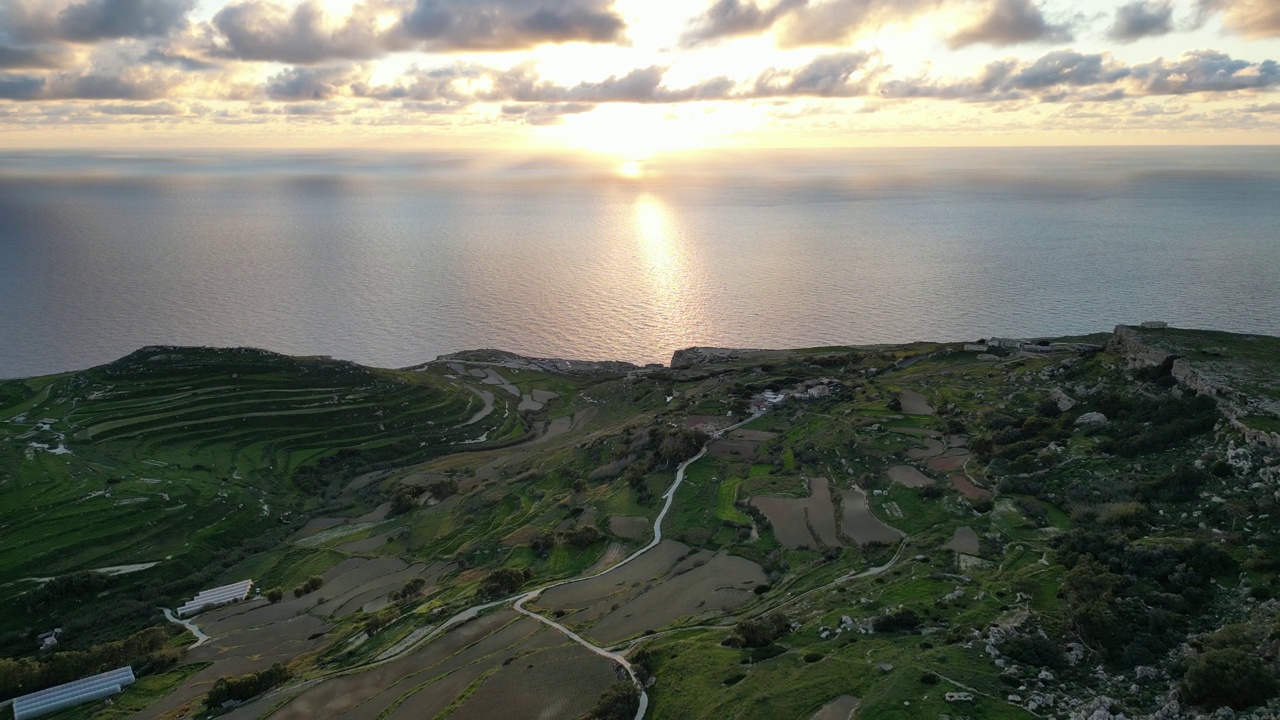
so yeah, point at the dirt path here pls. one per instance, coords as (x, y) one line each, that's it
(487, 397)
(423, 635)
(201, 638)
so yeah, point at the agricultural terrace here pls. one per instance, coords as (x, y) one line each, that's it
(893, 524)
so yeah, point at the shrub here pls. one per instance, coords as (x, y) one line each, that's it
(1229, 676)
(243, 687)
(762, 631)
(904, 620)
(502, 582)
(619, 702)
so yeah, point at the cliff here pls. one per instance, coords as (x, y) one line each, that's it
(1242, 382)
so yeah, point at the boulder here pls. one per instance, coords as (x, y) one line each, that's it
(1092, 418)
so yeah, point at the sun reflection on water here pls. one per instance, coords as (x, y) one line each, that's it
(669, 268)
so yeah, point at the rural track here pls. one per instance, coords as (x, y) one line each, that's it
(201, 638)
(420, 637)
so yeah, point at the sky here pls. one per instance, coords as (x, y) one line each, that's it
(636, 78)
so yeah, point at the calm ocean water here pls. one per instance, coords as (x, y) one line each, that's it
(393, 259)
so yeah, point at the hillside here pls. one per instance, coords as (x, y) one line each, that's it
(1074, 527)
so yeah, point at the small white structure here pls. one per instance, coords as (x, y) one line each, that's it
(1005, 342)
(217, 596)
(959, 697)
(70, 694)
(49, 640)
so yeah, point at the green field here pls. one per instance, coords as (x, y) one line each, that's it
(384, 502)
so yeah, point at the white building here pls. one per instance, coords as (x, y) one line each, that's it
(234, 592)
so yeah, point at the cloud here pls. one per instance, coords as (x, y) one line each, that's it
(266, 30)
(133, 83)
(545, 113)
(24, 22)
(95, 20)
(20, 87)
(1011, 22)
(736, 18)
(1142, 19)
(837, 75)
(503, 25)
(309, 84)
(307, 34)
(1249, 18)
(29, 58)
(1095, 77)
(1205, 71)
(800, 23)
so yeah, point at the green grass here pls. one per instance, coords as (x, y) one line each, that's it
(726, 498)
(1264, 423)
(137, 697)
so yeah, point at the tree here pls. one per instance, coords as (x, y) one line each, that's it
(1228, 676)
(620, 702)
(275, 595)
(758, 632)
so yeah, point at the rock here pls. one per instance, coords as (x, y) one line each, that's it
(1092, 418)
(1064, 401)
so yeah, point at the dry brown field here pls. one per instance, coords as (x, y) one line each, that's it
(909, 476)
(861, 525)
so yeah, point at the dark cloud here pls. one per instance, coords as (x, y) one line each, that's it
(1142, 19)
(95, 20)
(800, 22)
(1011, 22)
(270, 31)
(1066, 67)
(310, 84)
(736, 18)
(1205, 71)
(20, 87)
(306, 34)
(545, 113)
(125, 84)
(501, 25)
(838, 75)
(29, 58)
(642, 85)
(1068, 75)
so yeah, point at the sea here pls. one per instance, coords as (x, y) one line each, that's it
(393, 258)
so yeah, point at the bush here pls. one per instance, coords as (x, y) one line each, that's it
(502, 582)
(239, 688)
(1230, 676)
(275, 595)
(904, 620)
(619, 702)
(762, 631)
(1033, 649)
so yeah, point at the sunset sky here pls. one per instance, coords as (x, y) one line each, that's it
(636, 77)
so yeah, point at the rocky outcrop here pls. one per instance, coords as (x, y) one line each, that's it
(1126, 341)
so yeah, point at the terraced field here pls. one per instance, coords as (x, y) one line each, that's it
(179, 456)
(832, 555)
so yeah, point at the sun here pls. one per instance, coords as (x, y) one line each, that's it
(631, 169)
(634, 134)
